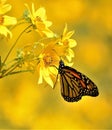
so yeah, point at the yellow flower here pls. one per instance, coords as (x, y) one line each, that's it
(39, 19)
(4, 8)
(68, 43)
(5, 20)
(48, 61)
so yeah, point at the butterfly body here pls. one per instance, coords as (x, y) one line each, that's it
(74, 84)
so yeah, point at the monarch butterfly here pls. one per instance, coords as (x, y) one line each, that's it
(74, 84)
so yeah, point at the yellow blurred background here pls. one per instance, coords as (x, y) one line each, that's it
(25, 105)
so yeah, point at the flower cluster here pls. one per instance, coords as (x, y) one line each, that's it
(5, 20)
(39, 20)
(44, 55)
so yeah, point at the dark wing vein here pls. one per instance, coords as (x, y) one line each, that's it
(70, 89)
(87, 85)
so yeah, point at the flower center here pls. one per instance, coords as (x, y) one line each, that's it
(47, 60)
(38, 19)
(1, 19)
(65, 42)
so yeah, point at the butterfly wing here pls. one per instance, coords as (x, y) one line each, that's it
(74, 85)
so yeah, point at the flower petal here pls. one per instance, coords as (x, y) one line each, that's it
(48, 33)
(52, 70)
(40, 80)
(47, 77)
(4, 31)
(65, 30)
(41, 12)
(5, 8)
(9, 20)
(72, 43)
(70, 54)
(69, 34)
(47, 23)
(33, 9)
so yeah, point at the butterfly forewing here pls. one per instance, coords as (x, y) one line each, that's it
(74, 84)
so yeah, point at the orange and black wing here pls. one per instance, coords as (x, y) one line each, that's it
(74, 84)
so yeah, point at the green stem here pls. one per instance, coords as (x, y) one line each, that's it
(9, 70)
(21, 71)
(14, 45)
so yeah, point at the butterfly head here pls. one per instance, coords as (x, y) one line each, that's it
(61, 65)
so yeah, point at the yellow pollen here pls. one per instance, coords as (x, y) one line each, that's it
(38, 19)
(65, 42)
(47, 60)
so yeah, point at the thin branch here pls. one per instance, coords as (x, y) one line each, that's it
(14, 44)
